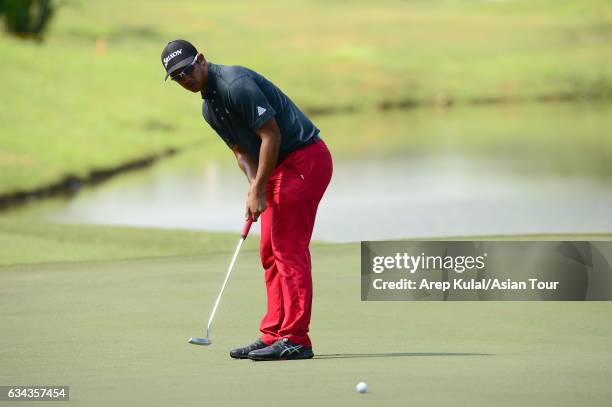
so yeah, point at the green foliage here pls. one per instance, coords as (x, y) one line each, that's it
(27, 18)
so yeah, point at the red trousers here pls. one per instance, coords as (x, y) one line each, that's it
(293, 194)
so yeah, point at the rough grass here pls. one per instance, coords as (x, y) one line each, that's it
(66, 108)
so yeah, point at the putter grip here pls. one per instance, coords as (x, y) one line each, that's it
(246, 228)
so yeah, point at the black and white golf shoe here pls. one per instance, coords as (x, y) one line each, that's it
(243, 353)
(283, 349)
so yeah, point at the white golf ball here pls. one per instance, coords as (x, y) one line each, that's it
(362, 387)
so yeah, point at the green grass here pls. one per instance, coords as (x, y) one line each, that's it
(66, 110)
(28, 241)
(116, 332)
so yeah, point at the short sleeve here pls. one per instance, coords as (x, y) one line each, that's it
(230, 143)
(250, 103)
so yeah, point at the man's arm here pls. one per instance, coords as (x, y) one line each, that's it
(270, 136)
(245, 162)
(249, 102)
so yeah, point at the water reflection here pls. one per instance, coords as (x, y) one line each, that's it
(418, 174)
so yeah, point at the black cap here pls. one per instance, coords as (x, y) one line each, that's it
(177, 54)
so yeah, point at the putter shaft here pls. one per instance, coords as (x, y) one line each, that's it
(243, 236)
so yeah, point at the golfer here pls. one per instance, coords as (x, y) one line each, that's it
(288, 167)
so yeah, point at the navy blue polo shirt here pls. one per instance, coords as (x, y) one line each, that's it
(238, 101)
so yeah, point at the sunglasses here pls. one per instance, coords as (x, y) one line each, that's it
(185, 72)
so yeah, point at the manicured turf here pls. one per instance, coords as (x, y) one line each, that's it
(30, 241)
(116, 332)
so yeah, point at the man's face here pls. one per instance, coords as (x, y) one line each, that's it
(193, 76)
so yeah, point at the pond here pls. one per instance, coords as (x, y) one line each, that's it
(468, 171)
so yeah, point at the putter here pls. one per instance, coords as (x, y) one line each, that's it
(207, 341)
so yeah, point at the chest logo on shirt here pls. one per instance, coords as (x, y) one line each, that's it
(260, 110)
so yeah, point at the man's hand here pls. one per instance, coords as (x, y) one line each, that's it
(258, 175)
(256, 202)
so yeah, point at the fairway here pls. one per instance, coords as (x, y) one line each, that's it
(116, 332)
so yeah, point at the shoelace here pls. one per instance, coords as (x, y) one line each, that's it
(254, 346)
(286, 347)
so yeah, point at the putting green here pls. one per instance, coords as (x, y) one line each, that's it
(116, 332)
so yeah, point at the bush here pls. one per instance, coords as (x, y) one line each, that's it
(27, 18)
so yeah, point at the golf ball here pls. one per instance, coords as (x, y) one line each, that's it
(362, 387)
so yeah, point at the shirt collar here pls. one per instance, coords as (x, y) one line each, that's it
(211, 82)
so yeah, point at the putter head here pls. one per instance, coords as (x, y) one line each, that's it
(200, 341)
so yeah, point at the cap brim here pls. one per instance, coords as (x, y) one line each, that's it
(179, 65)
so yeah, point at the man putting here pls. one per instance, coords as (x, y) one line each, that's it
(288, 168)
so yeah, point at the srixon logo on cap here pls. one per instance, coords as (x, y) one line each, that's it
(169, 57)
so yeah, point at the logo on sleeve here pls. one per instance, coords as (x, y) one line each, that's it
(260, 110)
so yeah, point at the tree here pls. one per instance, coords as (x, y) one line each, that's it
(27, 18)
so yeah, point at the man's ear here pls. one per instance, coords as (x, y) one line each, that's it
(201, 58)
